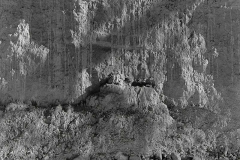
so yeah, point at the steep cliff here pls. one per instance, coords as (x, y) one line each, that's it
(140, 78)
(54, 47)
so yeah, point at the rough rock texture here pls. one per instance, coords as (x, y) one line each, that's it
(120, 121)
(55, 47)
(123, 79)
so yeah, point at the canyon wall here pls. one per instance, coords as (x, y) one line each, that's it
(62, 52)
(58, 50)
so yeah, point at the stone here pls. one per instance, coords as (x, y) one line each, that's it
(120, 156)
(134, 158)
(197, 158)
(223, 158)
(175, 156)
(116, 78)
(168, 157)
(58, 109)
(46, 158)
(16, 106)
(81, 158)
(1, 114)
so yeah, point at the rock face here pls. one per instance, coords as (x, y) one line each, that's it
(139, 78)
(175, 156)
(62, 50)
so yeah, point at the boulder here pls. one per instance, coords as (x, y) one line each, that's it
(120, 156)
(175, 156)
(223, 158)
(16, 107)
(196, 158)
(134, 157)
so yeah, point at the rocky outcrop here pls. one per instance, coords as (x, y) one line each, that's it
(107, 126)
(119, 122)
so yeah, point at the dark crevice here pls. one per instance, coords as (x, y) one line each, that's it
(147, 83)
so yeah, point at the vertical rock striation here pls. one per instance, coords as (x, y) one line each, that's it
(148, 77)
